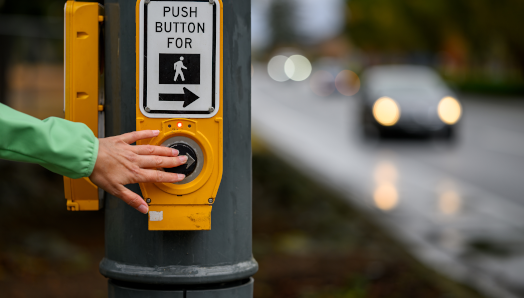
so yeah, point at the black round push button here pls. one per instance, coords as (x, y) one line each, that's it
(192, 161)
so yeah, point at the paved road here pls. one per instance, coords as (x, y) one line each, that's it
(458, 206)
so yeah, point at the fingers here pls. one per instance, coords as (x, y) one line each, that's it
(161, 161)
(138, 135)
(155, 176)
(133, 200)
(155, 150)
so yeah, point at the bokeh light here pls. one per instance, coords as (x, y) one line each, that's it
(289, 68)
(386, 111)
(322, 83)
(347, 83)
(386, 196)
(449, 110)
(275, 68)
(386, 172)
(449, 203)
(298, 68)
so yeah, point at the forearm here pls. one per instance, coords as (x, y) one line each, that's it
(64, 147)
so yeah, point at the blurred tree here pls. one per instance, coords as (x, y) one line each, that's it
(26, 7)
(461, 28)
(283, 21)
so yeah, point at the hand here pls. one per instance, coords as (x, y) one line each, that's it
(119, 164)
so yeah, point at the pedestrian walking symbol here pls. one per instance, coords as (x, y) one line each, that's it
(179, 69)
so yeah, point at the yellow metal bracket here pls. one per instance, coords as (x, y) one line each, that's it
(83, 100)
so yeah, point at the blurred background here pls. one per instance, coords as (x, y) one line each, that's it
(388, 152)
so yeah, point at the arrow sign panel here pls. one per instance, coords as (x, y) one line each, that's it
(187, 97)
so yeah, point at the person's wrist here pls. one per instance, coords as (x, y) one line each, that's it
(94, 158)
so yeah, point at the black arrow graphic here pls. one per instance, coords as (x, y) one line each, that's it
(188, 97)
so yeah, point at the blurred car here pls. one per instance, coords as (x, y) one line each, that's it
(408, 99)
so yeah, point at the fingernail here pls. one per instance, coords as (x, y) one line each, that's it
(175, 152)
(182, 158)
(143, 209)
(156, 132)
(181, 176)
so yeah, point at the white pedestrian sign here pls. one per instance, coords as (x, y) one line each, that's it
(179, 58)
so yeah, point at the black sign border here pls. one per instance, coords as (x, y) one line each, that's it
(213, 87)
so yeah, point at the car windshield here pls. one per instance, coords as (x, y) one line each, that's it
(412, 93)
(408, 90)
(403, 78)
(404, 81)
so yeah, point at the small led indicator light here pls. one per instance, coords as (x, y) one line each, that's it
(179, 124)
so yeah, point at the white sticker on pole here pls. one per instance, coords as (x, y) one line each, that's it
(179, 61)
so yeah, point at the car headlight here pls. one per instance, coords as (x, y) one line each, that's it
(449, 110)
(386, 111)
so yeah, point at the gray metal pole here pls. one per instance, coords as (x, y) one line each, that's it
(191, 264)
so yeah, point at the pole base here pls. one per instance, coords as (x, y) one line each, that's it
(178, 275)
(237, 289)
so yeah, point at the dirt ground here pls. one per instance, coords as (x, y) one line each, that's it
(46, 251)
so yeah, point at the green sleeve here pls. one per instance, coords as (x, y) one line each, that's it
(62, 146)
